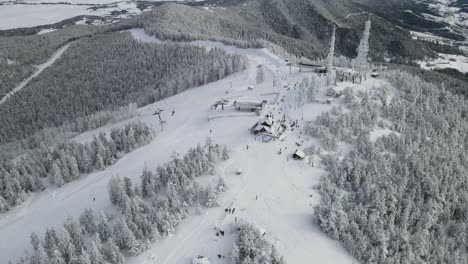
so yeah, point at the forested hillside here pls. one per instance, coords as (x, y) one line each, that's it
(301, 27)
(401, 199)
(107, 71)
(19, 54)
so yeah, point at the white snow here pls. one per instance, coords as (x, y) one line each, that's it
(45, 31)
(458, 62)
(40, 68)
(284, 187)
(377, 133)
(17, 16)
(26, 15)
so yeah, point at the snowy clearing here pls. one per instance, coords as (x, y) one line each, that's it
(274, 192)
(446, 61)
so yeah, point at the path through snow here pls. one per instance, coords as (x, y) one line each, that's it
(40, 68)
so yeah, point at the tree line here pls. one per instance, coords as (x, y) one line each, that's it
(66, 162)
(145, 213)
(52, 136)
(107, 71)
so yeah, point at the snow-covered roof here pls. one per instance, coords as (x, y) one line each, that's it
(249, 102)
(300, 153)
(267, 121)
(200, 260)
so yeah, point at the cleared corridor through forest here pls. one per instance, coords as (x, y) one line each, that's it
(40, 68)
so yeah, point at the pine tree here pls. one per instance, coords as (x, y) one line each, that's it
(87, 221)
(115, 256)
(40, 256)
(35, 241)
(3, 205)
(211, 199)
(85, 259)
(73, 166)
(56, 258)
(103, 227)
(133, 245)
(221, 187)
(225, 153)
(96, 256)
(56, 175)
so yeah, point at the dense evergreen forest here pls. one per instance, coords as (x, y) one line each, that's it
(402, 198)
(107, 71)
(52, 136)
(146, 213)
(66, 162)
(301, 27)
(20, 54)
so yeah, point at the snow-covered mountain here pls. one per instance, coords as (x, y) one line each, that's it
(233, 132)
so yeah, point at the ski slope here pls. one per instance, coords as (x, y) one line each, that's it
(284, 187)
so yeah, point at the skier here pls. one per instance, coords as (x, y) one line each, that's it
(94, 199)
(233, 209)
(256, 197)
(247, 146)
(173, 111)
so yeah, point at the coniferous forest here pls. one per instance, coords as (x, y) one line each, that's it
(146, 213)
(402, 198)
(66, 162)
(107, 71)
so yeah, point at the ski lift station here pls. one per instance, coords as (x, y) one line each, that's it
(250, 104)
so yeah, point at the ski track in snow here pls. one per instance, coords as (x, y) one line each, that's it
(283, 209)
(39, 70)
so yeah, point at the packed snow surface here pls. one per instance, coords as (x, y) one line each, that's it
(274, 192)
(444, 61)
